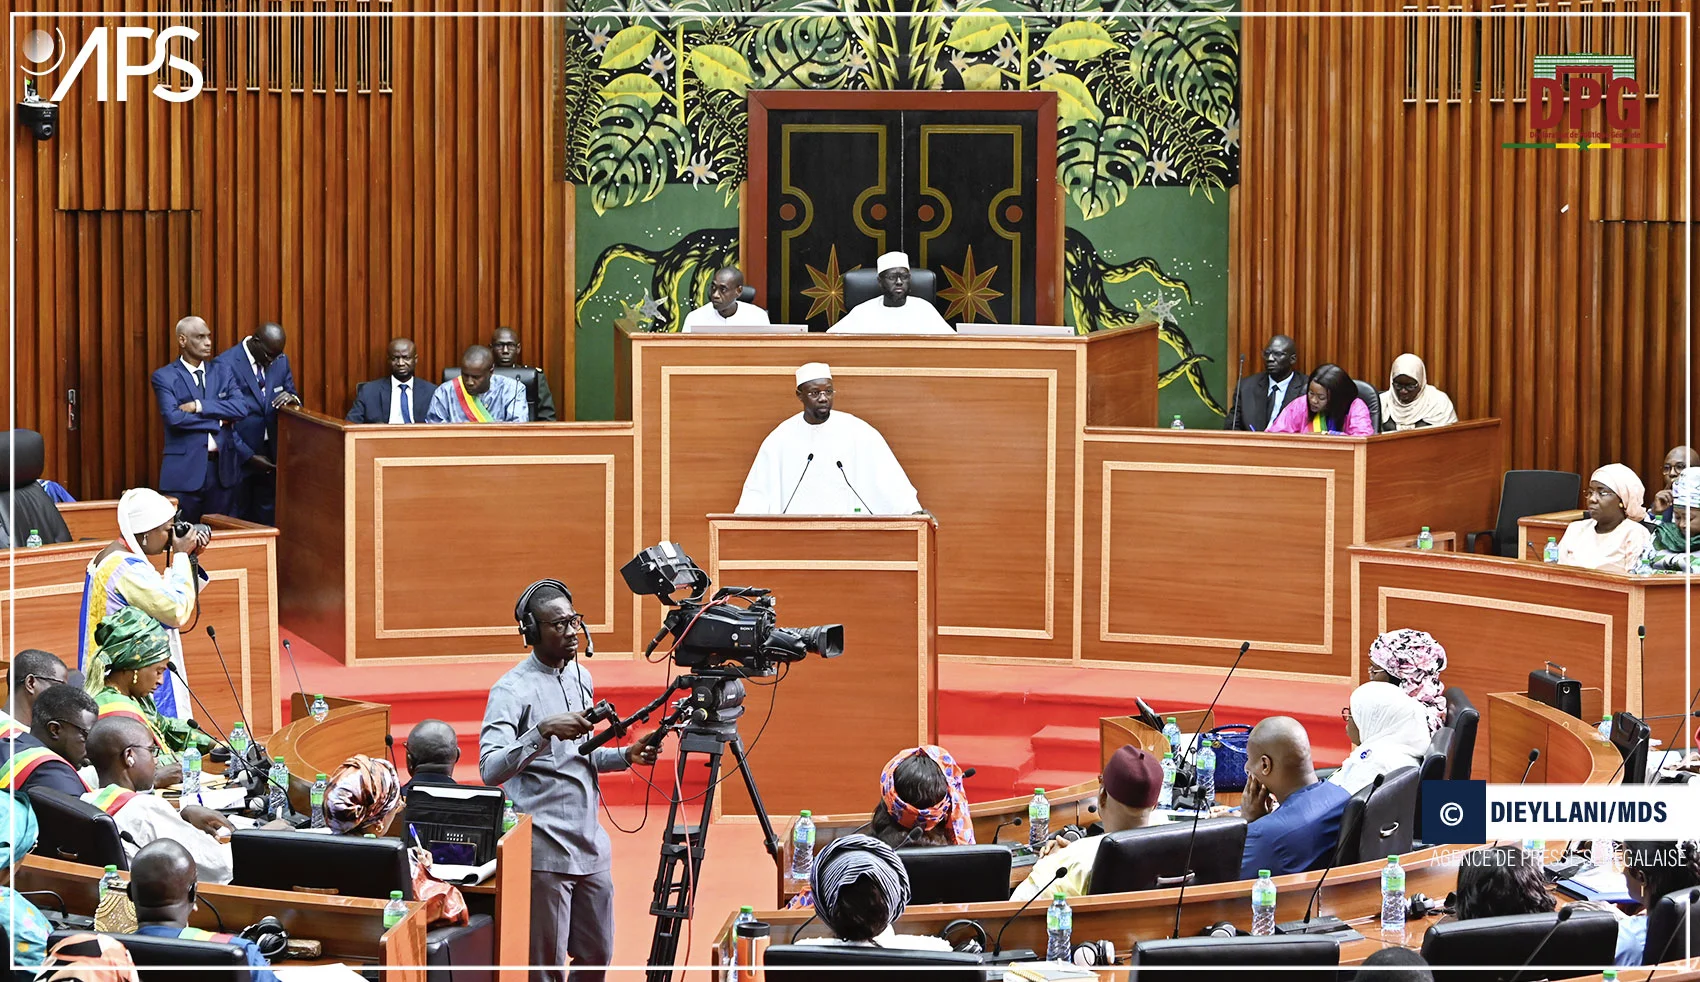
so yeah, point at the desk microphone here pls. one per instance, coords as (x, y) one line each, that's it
(1016, 821)
(806, 465)
(213, 636)
(1209, 715)
(1329, 924)
(1234, 413)
(292, 667)
(852, 487)
(968, 772)
(201, 705)
(1564, 914)
(1679, 717)
(997, 945)
(1684, 929)
(1534, 755)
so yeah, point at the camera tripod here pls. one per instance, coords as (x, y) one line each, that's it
(707, 724)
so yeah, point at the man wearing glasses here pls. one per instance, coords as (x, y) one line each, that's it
(56, 744)
(1261, 397)
(31, 673)
(533, 725)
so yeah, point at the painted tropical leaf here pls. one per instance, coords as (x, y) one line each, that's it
(798, 52)
(1099, 162)
(984, 78)
(629, 48)
(634, 86)
(1078, 40)
(1074, 99)
(1190, 61)
(974, 34)
(721, 69)
(635, 150)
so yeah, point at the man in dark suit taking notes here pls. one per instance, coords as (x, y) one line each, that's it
(1261, 397)
(400, 397)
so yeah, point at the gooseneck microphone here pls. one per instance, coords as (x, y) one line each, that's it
(1564, 914)
(292, 667)
(1534, 755)
(198, 703)
(1329, 924)
(852, 487)
(997, 945)
(1016, 822)
(798, 486)
(1234, 413)
(1209, 714)
(213, 636)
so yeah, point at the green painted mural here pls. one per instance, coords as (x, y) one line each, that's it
(655, 131)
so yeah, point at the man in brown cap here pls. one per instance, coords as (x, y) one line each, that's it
(1128, 791)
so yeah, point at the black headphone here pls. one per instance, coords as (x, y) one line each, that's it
(268, 935)
(974, 945)
(526, 619)
(1220, 929)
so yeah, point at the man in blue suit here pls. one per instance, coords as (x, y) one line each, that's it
(258, 363)
(200, 402)
(400, 397)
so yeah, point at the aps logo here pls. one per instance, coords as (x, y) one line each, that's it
(108, 48)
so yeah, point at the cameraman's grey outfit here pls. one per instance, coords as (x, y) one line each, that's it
(572, 889)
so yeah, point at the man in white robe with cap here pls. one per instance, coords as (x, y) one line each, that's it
(820, 462)
(893, 311)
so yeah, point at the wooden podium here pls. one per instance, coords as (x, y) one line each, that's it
(874, 576)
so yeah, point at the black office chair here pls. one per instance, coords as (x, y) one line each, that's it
(213, 961)
(747, 295)
(76, 831)
(1378, 825)
(1372, 399)
(525, 375)
(1433, 769)
(864, 284)
(1675, 915)
(956, 874)
(1631, 738)
(1208, 959)
(1526, 493)
(838, 960)
(24, 505)
(1156, 856)
(1587, 938)
(1462, 720)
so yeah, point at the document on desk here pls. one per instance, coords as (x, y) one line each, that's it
(463, 876)
(1597, 883)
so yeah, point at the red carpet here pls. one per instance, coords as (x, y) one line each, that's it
(1020, 727)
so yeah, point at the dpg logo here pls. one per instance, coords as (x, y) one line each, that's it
(39, 47)
(1565, 87)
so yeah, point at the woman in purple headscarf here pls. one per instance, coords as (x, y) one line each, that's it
(1413, 661)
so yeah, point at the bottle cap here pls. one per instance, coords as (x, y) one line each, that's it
(1262, 873)
(395, 894)
(1552, 538)
(1169, 756)
(1393, 859)
(746, 909)
(806, 813)
(1059, 895)
(112, 869)
(1038, 790)
(277, 760)
(1171, 719)
(1425, 528)
(35, 531)
(319, 776)
(509, 801)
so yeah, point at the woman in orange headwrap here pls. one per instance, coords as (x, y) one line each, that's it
(922, 801)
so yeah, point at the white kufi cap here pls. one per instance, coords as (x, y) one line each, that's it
(893, 260)
(142, 510)
(812, 371)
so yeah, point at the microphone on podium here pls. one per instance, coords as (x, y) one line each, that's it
(212, 635)
(798, 486)
(852, 487)
(997, 945)
(1534, 755)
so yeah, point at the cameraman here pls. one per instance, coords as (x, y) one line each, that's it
(121, 575)
(533, 724)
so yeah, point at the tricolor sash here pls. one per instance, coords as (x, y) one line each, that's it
(10, 727)
(23, 764)
(112, 798)
(469, 403)
(197, 934)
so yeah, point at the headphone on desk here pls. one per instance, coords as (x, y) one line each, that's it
(268, 935)
(528, 627)
(974, 944)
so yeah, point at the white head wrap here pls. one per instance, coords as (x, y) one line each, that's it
(1392, 733)
(142, 510)
(813, 371)
(1627, 486)
(892, 260)
(1685, 493)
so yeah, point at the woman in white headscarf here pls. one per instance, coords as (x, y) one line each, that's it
(1612, 537)
(1410, 401)
(1388, 729)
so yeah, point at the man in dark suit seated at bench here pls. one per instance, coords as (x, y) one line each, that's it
(162, 885)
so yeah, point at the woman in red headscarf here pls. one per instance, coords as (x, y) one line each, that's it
(922, 802)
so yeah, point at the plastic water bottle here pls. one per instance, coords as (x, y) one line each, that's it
(395, 911)
(1038, 819)
(746, 915)
(1609, 975)
(191, 759)
(1536, 850)
(109, 880)
(1551, 553)
(1176, 425)
(1166, 797)
(1605, 728)
(1172, 733)
(1393, 896)
(1263, 905)
(803, 848)
(1206, 771)
(34, 541)
(277, 788)
(1059, 929)
(1603, 853)
(510, 818)
(317, 797)
(319, 709)
(1425, 539)
(239, 741)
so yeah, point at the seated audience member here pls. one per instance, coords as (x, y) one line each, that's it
(123, 762)
(399, 397)
(1331, 405)
(1676, 544)
(1413, 661)
(85, 957)
(365, 797)
(922, 801)
(131, 656)
(539, 406)
(162, 886)
(723, 305)
(1653, 870)
(1395, 964)
(860, 889)
(1499, 881)
(1293, 818)
(1676, 462)
(1388, 730)
(1127, 792)
(56, 745)
(1612, 537)
(32, 671)
(1261, 397)
(1410, 401)
(433, 750)
(478, 394)
(24, 924)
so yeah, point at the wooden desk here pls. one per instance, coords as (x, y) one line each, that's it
(988, 430)
(1571, 750)
(1534, 530)
(240, 602)
(506, 897)
(384, 527)
(1254, 529)
(351, 928)
(876, 577)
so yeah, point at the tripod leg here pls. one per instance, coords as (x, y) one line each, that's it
(769, 839)
(682, 849)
